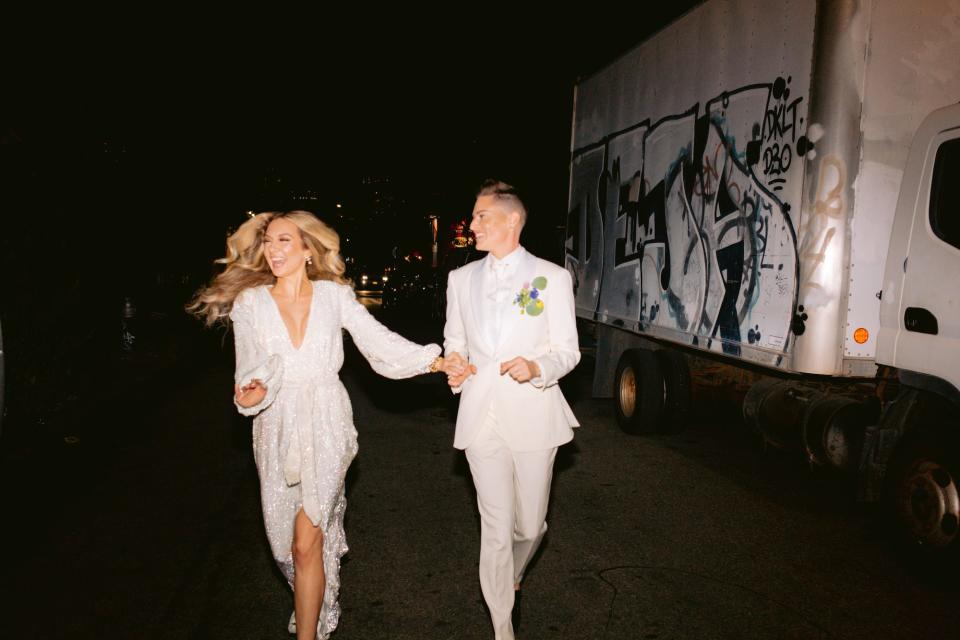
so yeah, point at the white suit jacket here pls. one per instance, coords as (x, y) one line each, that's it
(531, 416)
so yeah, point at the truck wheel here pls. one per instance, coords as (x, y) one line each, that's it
(923, 492)
(638, 392)
(676, 390)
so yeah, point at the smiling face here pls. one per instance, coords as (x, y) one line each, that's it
(284, 248)
(496, 228)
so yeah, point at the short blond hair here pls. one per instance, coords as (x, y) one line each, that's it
(505, 193)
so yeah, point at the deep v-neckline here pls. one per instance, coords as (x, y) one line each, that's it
(286, 329)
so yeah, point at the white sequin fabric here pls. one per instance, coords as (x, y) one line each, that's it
(304, 438)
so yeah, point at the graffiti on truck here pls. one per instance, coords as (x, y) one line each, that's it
(684, 224)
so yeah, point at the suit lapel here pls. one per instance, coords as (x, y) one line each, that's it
(473, 295)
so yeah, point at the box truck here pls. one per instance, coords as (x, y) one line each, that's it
(774, 186)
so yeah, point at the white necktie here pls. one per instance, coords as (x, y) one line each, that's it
(500, 277)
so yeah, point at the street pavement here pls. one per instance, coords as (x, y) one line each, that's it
(145, 523)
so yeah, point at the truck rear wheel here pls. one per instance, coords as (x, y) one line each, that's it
(923, 492)
(638, 392)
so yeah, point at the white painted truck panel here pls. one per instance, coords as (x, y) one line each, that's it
(686, 180)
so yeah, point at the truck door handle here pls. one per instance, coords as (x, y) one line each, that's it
(920, 320)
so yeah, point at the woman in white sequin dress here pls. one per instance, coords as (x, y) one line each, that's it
(283, 289)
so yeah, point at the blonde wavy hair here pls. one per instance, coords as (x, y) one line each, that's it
(246, 266)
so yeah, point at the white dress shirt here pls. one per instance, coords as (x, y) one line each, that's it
(496, 291)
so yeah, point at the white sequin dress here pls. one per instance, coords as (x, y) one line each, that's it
(303, 434)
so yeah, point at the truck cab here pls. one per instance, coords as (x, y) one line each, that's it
(920, 311)
(913, 453)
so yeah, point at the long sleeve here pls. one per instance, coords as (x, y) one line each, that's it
(454, 333)
(564, 344)
(390, 354)
(252, 359)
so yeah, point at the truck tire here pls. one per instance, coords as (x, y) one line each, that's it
(638, 392)
(923, 493)
(676, 390)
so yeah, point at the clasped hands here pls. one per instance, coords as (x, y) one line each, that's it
(458, 369)
(454, 365)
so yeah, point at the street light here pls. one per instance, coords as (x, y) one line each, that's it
(434, 224)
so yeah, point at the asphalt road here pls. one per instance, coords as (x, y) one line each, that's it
(145, 523)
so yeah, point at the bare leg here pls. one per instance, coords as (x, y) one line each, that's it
(309, 581)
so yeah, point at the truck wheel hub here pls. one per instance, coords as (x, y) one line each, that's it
(931, 505)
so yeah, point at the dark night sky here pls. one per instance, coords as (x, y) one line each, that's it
(487, 93)
(141, 134)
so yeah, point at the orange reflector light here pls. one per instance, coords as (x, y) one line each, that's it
(861, 335)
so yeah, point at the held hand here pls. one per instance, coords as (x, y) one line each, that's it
(250, 394)
(520, 369)
(458, 380)
(453, 364)
(457, 369)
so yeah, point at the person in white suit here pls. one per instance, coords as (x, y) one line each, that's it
(511, 328)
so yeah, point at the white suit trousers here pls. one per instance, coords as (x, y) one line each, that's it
(513, 492)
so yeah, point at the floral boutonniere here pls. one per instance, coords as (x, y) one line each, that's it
(529, 297)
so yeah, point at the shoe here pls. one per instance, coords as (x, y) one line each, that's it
(515, 614)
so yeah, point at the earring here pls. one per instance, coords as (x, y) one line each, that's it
(309, 260)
